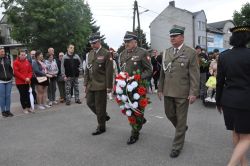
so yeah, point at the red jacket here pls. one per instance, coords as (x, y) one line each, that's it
(22, 70)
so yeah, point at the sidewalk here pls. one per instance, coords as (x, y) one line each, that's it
(16, 107)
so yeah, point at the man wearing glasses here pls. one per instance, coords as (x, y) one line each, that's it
(179, 84)
(134, 58)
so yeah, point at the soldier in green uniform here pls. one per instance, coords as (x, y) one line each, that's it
(132, 59)
(179, 83)
(98, 81)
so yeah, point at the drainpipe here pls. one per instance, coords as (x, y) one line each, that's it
(193, 31)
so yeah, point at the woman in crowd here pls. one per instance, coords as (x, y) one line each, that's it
(6, 74)
(156, 61)
(53, 71)
(40, 70)
(23, 75)
(60, 80)
(233, 90)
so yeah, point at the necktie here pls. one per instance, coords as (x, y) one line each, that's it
(176, 51)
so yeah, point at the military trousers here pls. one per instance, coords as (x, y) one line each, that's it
(72, 82)
(176, 110)
(135, 132)
(97, 102)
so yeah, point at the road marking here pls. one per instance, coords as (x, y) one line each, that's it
(159, 117)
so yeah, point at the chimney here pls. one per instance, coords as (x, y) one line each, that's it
(172, 3)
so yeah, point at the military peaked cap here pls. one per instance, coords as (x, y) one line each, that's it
(94, 38)
(130, 36)
(240, 29)
(176, 30)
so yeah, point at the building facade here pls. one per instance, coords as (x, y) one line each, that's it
(10, 45)
(197, 30)
(224, 27)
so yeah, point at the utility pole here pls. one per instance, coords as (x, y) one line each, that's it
(136, 12)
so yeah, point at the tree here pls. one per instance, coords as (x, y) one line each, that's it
(120, 49)
(95, 29)
(242, 17)
(41, 24)
(142, 41)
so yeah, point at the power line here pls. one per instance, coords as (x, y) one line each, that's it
(113, 16)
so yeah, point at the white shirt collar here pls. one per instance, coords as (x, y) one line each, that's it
(179, 47)
(98, 49)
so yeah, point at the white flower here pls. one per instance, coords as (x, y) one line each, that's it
(121, 83)
(134, 84)
(118, 97)
(124, 98)
(136, 96)
(122, 107)
(119, 90)
(128, 113)
(135, 105)
(127, 106)
(130, 88)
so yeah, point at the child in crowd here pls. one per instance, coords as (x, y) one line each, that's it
(211, 85)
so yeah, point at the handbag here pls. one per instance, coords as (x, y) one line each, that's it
(41, 79)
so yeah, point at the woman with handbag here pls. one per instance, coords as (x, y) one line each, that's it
(6, 74)
(40, 72)
(23, 75)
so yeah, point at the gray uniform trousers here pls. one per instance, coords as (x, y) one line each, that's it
(176, 110)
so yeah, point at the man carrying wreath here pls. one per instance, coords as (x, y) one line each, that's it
(132, 60)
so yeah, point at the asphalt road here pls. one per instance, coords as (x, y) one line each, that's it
(61, 136)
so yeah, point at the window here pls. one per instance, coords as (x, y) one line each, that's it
(210, 39)
(201, 26)
(201, 40)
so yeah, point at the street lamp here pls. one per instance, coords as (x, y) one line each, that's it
(144, 11)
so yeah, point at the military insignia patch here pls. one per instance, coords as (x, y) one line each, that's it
(100, 57)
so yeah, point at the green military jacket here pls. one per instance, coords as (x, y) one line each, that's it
(180, 74)
(134, 60)
(99, 70)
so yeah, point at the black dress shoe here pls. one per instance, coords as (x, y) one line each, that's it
(9, 114)
(98, 131)
(107, 118)
(132, 140)
(174, 153)
(186, 127)
(5, 114)
(78, 102)
(144, 121)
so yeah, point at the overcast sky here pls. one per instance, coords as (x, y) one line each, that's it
(115, 16)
